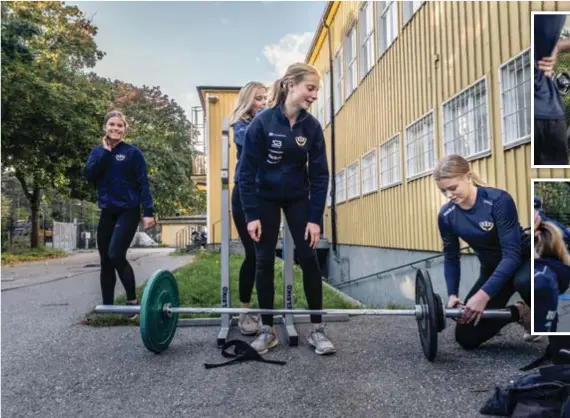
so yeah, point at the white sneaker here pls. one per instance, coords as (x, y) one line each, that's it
(248, 324)
(266, 340)
(529, 338)
(319, 340)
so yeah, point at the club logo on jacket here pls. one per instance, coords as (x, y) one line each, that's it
(301, 140)
(486, 225)
(120, 157)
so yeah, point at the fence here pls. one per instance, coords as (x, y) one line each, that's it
(64, 236)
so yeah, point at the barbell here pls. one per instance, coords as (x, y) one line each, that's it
(159, 311)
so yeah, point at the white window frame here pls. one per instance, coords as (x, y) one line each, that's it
(367, 56)
(373, 168)
(353, 180)
(338, 81)
(507, 112)
(383, 9)
(464, 95)
(328, 116)
(427, 143)
(385, 160)
(322, 104)
(329, 191)
(340, 179)
(409, 9)
(350, 55)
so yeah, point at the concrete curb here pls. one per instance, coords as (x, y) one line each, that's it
(344, 295)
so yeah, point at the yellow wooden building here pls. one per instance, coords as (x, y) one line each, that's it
(414, 81)
(217, 103)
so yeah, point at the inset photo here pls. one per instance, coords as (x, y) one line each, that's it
(550, 109)
(550, 299)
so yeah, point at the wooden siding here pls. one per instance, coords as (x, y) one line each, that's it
(215, 114)
(443, 49)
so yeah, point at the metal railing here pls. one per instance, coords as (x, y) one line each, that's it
(409, 264)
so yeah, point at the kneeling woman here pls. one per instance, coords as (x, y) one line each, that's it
(486, 219)
(551, 273)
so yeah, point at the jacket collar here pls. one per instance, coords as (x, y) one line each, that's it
(283, 119)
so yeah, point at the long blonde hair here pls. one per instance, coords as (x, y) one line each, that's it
(244, 102)
(452, 166)
(550, 243)
(295, 73)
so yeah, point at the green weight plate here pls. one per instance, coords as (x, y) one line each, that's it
(440, 313)
(428, 324)
(158, 329)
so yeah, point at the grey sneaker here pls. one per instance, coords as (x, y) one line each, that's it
(248, 324)
(266, 340)
(319, 340)
(131, 316)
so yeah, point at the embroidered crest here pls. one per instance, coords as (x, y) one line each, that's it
(120, 157)
(301, 140)
(486, 225)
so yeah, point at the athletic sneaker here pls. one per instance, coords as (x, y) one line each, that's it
(248, 324)
(525, 320)
(129, 315)
(319, 340)
(266, 340)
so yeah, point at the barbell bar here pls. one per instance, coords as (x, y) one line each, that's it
(418, 312)
(159, 312)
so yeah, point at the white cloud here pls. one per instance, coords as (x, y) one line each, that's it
(224, 20)
(257, 59)
(290, 49)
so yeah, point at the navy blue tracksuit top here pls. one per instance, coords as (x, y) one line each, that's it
(280, 162)
(547, 101)
(121, 178)
(491, 227)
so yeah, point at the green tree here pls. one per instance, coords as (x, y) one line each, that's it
(50, 109)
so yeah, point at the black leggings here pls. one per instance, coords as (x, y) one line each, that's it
(550, 142)
(115, 233)
(247, 271)
(470, 336)
(297, 215)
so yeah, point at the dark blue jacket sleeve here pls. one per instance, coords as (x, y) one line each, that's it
(96, 163)
(319, 176)
(451, 252)
(251, 159)
(143, 184)
(240, 128)
(508, 228)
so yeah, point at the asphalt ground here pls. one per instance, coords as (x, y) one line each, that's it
(52, 366)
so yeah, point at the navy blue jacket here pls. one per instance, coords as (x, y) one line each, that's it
(547, 101)
(121, 178)
(492, 229)
(240, 128)
(281, 162)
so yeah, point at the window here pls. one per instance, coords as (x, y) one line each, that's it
(466, 122)
(409, 8)
(390, 162)
(353, 180)
(420, 146)
(340, 187)
(387, 25)
(369, 172)
(322, 104)
(366, 25)
(328, 96)
(338, 76)
(350, 49)
(515, 99)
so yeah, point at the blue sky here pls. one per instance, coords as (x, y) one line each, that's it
(180, 45)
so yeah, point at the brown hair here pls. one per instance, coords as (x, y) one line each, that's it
(452, 166)
(244, 101)
(549, 243)
(295, 73)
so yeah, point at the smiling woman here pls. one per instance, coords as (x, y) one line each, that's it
(119, 170)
